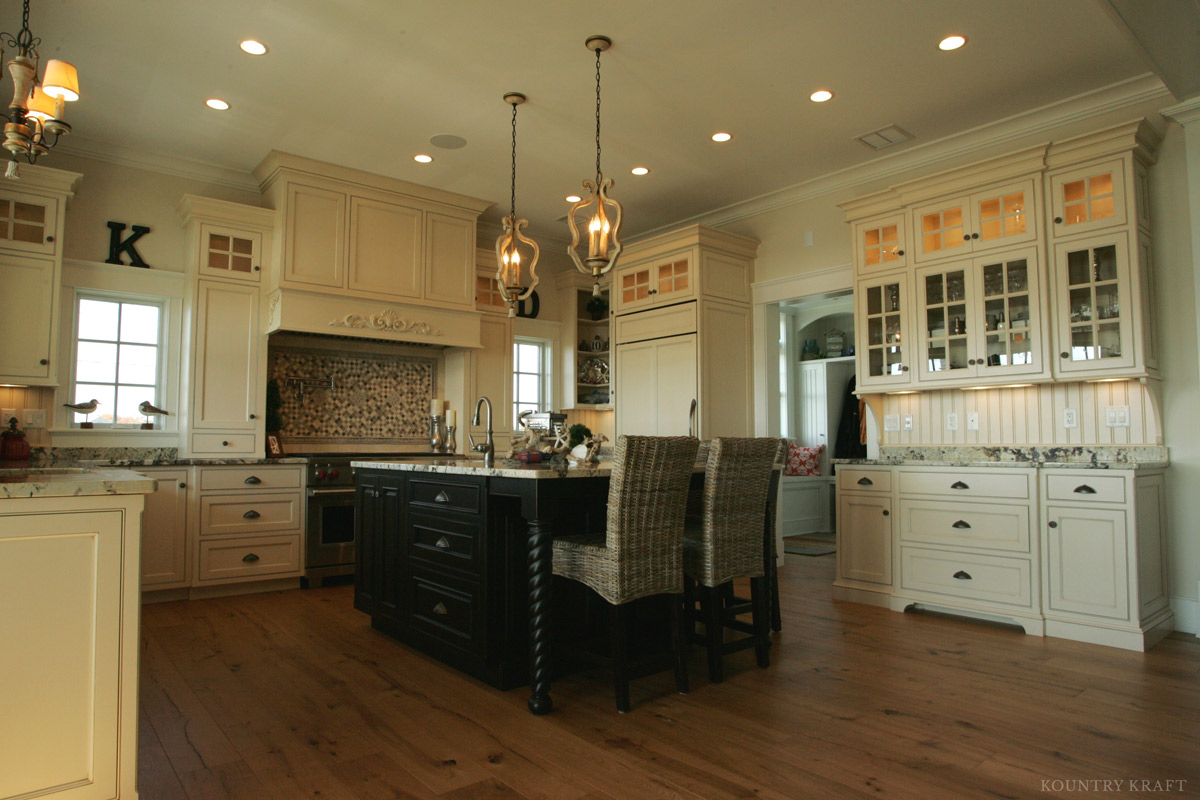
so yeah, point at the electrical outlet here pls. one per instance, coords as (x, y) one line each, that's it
(1070, 418)
(35, 418)
(908, 424)
(6, 414)
(891, 422)
(972, 420)
(952, 421)
(1116, 416)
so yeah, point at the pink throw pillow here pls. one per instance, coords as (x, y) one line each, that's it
(804, 460)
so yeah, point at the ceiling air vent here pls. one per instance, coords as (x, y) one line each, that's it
(884, 137)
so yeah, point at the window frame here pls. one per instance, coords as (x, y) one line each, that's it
(545, 374)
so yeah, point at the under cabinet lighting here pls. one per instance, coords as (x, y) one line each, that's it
(217, 104)
(909, 391)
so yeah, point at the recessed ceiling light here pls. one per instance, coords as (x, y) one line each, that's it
(253, 47)
(820, 96)
(640, 170)
(217, 104)
(421, 158)
(952, 42)
(572, 198)
(722, 137)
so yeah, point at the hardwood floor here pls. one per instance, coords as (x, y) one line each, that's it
(292, 695)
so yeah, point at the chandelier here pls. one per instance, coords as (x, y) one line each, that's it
(603, 246)
(36, 111)
(512, 241)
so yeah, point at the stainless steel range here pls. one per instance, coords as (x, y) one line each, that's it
(329, 538)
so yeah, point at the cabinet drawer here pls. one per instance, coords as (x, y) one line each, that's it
(228, 559)
(449, 543)
(446, 609)
(992, 579)
(856, 479)
(672, 321)
(223, 443)
(988, 526)
(440, 494)
(232, 514)
(1004, 482)
(248, 479)
(1086, 488)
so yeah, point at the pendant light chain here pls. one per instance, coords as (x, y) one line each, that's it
(513, 199)
(598, 173)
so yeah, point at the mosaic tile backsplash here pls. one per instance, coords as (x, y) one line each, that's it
(375, 399)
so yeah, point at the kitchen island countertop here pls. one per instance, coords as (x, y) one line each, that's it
(71, 482)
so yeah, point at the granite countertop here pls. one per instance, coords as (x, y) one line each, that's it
(1116, 457)
(503, 468)
(188, 462)
(72, 482)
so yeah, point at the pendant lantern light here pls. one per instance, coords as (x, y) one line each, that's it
(512, 241)
(603, 214)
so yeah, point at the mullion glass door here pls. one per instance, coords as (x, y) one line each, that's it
(1009, 289)
(946, 348)
(884, 359)
(1098, 310)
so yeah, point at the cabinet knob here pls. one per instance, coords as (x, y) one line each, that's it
(252, 416)
(251, 514)
(1064, 354)
(904, 368)
(224, 444)
(970, 362)
(44, 361)
(899, 252)
(257, 267)
(974, 235)
(966, 237)
(962, 576)
(1052, 524)
(250, 558)
(887, 513)
(182, 485)
(1058, 220)
(49, 238)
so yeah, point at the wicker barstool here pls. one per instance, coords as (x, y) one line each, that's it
(726, 542)
(641, 551)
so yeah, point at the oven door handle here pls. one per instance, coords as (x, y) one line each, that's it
(321, 492)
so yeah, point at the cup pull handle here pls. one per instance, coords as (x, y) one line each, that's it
(959, 485)
(961, 524)
(440, 608)
(1084, 489)
(442, 543)
(442, 497)
(962, 576)
(251, 514)
(865, 482)
(253, 480)
(250, 558)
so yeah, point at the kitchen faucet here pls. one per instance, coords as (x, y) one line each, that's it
(488, 448)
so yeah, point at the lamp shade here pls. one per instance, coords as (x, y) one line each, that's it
(41, 104)
(61, 80)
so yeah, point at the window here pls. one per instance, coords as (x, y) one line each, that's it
(118, 359)
(531, 376)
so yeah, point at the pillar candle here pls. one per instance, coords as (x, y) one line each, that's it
(435, 407)
(451, 418)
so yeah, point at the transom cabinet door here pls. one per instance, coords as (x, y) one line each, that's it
(386, 247)
(314, 245)
(28, 223)
(449, 260)
(864, 545)
(1087, 561)
(882, 334)
(1094, 310)
(1088, 198)
(226, 356)
(879, 244)
(667, 280)
(164, 531)
(27, 285)
(230, 253)
(997, 217)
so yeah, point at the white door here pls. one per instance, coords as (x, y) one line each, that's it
(656, 384)
(164, 531)
(226, 356)
(28, 290)
(675, 376)
(864, 542)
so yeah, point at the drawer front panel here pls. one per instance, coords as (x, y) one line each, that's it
(857, 479)
(450, 543)
(446, 609)
(672, 321)
(443, 495)
(230, 514)
(992, 579)
(1086, 488)
(998, 483)
(230, 559)
(225, 444)
(983, 525)
(247, 479)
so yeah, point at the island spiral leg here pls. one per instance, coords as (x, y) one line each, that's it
(540, 575)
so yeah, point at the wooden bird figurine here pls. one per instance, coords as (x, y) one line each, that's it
(83, 408)
(148, 409)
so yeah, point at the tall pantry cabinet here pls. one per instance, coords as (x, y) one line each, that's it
(682, 332)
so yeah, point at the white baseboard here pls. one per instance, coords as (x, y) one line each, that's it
(1187, 615)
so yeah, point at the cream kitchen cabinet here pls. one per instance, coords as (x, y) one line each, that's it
(227, 252)
(882, 335)
(998, 216)
(31, 226)
(164, 529)
(656, 380)
(864, 534)
(1105, 551)
(879, 244)
(667, 280)
(355, 234)
(1089, 198)
(981, 320)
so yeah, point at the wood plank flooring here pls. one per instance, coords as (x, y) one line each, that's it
(292, 695)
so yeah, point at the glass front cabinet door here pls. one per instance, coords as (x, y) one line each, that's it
(979, 320)
(998, 217)
(883, 343)
(880, 244)
(1095, 314)
(1088, 198)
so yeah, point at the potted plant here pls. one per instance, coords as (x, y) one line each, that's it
(597, 307)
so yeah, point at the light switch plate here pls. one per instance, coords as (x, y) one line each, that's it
(952, 421)
(908, 422)
(35, 418)
(891, 422)
(1070, 418)
(1116, 416)
(972, 420)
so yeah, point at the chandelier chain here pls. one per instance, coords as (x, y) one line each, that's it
(513, 198)
(598, 173)
(23, 41)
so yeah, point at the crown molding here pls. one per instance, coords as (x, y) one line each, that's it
(1185, 113)
(178, 166)
(1115, 97)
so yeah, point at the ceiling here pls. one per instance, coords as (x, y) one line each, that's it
(367, 83)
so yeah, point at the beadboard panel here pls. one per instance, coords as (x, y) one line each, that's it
(1028, 415)
(21, 398)
(598, 421)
